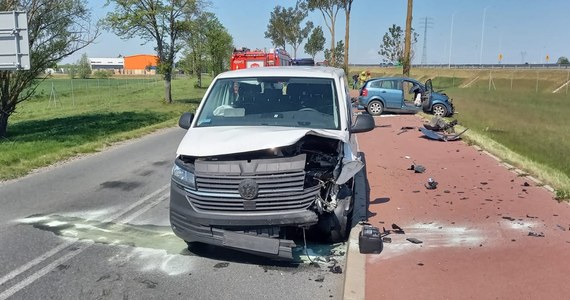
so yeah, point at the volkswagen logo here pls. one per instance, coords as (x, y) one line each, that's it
(248, 189)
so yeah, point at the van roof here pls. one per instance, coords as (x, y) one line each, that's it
(287, 71)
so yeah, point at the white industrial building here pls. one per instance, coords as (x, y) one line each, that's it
(116, 63)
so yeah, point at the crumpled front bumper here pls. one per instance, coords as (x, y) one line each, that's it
(248, 231)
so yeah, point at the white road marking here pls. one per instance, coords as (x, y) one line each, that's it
(81, 247)
(132, 206)
(22, 284)
(34, 262)
(142, 210)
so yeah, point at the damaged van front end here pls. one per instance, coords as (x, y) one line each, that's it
(242, 186)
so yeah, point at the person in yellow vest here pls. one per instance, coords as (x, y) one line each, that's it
(362, 78)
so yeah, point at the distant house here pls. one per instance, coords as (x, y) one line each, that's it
(141, 64)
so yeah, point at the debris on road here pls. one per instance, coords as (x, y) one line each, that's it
(432, 135)
(431, 184)
(414, 241)
(387, 239)
(320, 278)
(417, 168)
(535, 234)
(405, 129)
(369, 240)
(336, 269)
(526, 184)
(508, 218)
(397, 229)
(438, 124)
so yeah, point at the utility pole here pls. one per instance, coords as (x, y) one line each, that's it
(427, 23)
(408, 40)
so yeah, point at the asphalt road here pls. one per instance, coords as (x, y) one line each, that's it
(97, 228)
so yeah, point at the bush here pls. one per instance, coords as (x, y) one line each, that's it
(103, 73)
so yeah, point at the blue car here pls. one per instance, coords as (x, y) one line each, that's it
(403, 95)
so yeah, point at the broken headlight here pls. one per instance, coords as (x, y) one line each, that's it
(183, 177)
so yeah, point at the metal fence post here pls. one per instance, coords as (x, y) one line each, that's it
(567, 80)
(537, 81)
(72, 93)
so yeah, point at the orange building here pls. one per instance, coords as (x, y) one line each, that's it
(141, 64)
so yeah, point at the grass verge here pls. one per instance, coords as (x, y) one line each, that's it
(44, 131)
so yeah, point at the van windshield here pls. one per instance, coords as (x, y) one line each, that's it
(274, 101)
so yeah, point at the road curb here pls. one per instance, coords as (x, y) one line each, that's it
(355, 268)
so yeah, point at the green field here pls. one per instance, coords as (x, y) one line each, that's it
(68, 117)
(511, 113)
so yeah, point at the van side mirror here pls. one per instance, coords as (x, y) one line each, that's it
(363, 123)
(185, 120)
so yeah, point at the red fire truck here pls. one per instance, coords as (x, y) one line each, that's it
(246, 58)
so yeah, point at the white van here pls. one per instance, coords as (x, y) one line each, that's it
(268, 149)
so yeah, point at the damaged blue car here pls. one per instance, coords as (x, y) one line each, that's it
(403, 95)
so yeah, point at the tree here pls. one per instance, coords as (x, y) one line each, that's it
(315, 42)
(56, 29)
(219, 44)
(277, 26)
(72, 71)
(209, 46)
(563, 60)
(83, 67)
(408, 40)
(296, 35)
(392, 47)
(347, 6)
(285, 26)
(160, 21)
(339, 58)
(329, 9)
(195, 52)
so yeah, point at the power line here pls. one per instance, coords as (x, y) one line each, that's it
(427, 22)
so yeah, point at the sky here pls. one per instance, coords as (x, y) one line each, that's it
(519, 30)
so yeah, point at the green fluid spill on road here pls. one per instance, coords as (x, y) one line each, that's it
(145, 236)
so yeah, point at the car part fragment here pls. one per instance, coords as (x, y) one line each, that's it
(432, 135)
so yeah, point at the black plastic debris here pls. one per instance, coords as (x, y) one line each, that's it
(417, 168)
(414, 241)
(535, 234)
(526, 184)
(405, 129)
(320, 278)
(397, 229)
(431, 184)
(387, 239)
(509, 218)
(335, 269)
(369, 240)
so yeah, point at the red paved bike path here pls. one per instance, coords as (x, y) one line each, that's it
(475, 226)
